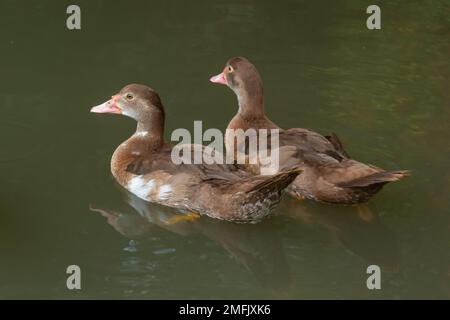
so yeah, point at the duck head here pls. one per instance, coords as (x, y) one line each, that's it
(241, 76)
(134, 101)
(139, 102)
(238, 74)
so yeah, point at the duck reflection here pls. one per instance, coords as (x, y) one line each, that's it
(258, 247)
(357, 228)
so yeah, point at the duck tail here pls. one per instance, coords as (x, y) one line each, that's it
(276, 182)
(378, 178)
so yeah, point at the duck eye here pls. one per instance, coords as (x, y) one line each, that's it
(129, 96)
(230, 69)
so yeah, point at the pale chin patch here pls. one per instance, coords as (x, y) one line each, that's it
(127, 113)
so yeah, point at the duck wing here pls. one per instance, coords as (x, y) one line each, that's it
(230, 178)
(311, 142)
(162, 161)
(336, 142)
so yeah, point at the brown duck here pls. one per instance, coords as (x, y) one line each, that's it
(143, 165)
(329, 174)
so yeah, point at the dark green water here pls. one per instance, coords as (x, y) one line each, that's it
(386, 93)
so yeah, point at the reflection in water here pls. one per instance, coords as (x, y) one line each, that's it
(258, 247)
(357, 228)
(255, 246)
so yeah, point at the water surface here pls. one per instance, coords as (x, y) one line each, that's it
(386, 93)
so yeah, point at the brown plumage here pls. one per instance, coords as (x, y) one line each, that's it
(329, 174)
(143, 165)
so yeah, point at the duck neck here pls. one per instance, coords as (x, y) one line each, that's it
(251, 101)
(150, 131)
(148, 139)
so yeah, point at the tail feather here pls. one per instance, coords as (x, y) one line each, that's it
(375, 179)
(278, 182)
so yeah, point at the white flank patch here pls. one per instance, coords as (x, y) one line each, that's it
(164, 192)
(135, 153)
(140, 187)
